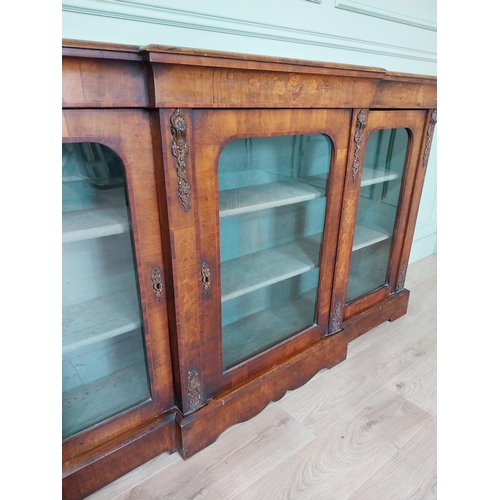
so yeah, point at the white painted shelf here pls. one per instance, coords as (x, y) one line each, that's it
(94, 223)
(365, 236)
(259, 331)
(97, 213)
(371, 176)
(286, 192)
(275, 194)
(100, 319)
(73, 178)
(266, 267)
(257, 270)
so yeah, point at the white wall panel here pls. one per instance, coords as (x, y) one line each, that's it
(392, 34)
(287, 28)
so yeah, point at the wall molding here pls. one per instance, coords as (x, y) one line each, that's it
(423, 247)
(144, 11)
(367, 7)
(430, 221)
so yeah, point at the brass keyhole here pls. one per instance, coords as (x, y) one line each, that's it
(205, 277)
(157, 283)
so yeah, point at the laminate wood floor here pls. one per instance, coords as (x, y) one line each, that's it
(363, 430)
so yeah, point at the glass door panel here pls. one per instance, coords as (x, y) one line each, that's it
(272, 206)
(382, 174)
(104, 363)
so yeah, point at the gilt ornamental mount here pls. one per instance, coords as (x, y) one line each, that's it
(358, 139)
(428, 138)
(180, 149)
(336, 323)
(193, 391)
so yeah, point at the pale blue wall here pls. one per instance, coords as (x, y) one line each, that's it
(392, 34)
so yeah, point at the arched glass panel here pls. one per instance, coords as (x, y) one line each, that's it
(104, 362)
(272, 201)
(383, 166)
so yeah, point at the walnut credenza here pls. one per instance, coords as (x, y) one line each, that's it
(230, 223)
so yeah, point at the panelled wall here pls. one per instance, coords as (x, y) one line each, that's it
(394, 35)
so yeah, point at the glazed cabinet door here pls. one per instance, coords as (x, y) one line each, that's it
(116, 366)
(254, 199)
(382, 191)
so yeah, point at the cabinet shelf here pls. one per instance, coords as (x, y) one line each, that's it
(274, 194)
(266, 267)
(94, 213)
(94, 223)
(100, 319)
(257, 270)
(365, 236)
(372, 176)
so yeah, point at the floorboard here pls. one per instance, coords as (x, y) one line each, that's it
(341, 458)
(410, 474)
(337, 391)
(236, 460)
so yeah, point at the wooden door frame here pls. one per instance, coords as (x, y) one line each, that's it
(128, 134)
(194, 239)
(364, 123)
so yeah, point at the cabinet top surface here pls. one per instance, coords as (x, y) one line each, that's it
(198, 57)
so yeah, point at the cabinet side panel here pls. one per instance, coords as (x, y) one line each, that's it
(426, 136)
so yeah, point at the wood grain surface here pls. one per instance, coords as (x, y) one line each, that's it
(409, 474)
